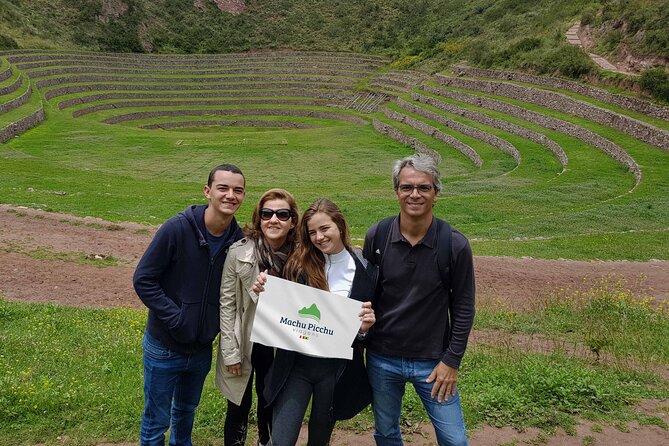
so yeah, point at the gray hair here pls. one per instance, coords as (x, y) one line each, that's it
(420, 162)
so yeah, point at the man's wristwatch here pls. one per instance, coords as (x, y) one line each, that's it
(362, 335)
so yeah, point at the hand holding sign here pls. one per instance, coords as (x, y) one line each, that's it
(297, 317)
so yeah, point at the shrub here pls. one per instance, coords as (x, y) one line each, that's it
(404, 62)
(526, 44)
(566, 60)
(7, 43)
(573, 62)
(656, 82)
(613, 39)
(588, 17)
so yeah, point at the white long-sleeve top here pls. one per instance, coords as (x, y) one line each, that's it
(339, 271)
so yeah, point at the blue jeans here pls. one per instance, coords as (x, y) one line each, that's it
(172, 388)
(388, 376)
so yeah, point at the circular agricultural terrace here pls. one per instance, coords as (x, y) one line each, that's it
(533, 166)
(582, 147)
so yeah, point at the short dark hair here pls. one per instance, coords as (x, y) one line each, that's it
(225, 168)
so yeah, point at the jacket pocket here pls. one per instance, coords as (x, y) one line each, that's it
(210, 323)
(186, 329)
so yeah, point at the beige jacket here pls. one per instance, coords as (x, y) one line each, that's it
(238, 308)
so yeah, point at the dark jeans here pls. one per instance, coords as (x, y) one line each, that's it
(313, 378)
(237, 417)
(172, 389)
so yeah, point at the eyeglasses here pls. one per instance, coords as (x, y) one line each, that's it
(281, 214)
(407, 189)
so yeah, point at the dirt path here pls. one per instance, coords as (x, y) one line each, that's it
(46, 257)
(574, 38)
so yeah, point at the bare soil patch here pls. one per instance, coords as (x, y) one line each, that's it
(31, 270)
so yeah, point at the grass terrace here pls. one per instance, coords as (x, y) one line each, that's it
(171, 127)
(132, 138)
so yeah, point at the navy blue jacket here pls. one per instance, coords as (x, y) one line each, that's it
(179, 281)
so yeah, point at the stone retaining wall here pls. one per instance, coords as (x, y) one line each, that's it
(388, 89)
(225, 90)
(9, 72)
(11, 88)
(493, 122)
(21, 56)
(16, 102)
(459, 127)
(238, 81)
(21, 126)
(36, 74)
(435, 133)
(395, 134)
(556, 101)
(355, 71)
(585, 135)
(129, 104)
(236, 112)
(230, 123)
(338, 98)
(626, 102)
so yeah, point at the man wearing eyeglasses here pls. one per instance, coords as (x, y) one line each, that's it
(424, 309)
(179, 278)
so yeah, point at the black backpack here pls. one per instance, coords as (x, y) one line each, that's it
(444, 246)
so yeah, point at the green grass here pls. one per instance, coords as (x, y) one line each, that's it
(81, 258)
(78, 372)
(122, 172)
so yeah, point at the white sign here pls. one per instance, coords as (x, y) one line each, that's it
(297, 317)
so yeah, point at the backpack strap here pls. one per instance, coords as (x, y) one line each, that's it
(381, 239)
(444, 249)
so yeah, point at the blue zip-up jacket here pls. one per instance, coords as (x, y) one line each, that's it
(179, 281)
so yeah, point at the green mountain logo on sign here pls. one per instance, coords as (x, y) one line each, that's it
(312, 312)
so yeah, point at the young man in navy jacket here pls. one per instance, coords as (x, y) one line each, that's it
(179, 278)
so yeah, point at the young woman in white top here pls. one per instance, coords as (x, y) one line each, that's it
(338, 388)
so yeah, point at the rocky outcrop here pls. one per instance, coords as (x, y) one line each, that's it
(234, 7)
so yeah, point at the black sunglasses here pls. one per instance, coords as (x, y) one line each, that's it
(281, 214)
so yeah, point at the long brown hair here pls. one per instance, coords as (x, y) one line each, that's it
(307, 262)
(254, 232)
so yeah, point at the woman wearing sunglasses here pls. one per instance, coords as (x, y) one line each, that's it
(338, 388)
(270, 239)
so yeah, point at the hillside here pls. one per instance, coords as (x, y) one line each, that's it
(420, 33)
